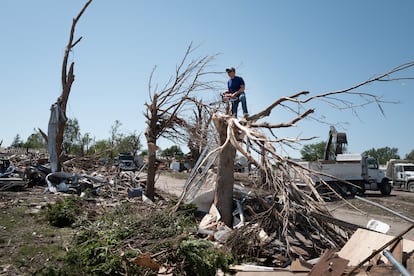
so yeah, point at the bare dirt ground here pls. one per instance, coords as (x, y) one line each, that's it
(360, 214)
(399, 201)
(25, 240)
(169, 184)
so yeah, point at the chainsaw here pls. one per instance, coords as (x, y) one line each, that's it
(225, 98)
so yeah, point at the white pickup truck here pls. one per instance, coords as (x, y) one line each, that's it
(360, 170)
(401, 174)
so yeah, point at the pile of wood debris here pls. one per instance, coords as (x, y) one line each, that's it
(291, 223)
(304, 240)
(282, 229)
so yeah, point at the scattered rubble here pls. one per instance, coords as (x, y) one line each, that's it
(9, 178)
(280, 233)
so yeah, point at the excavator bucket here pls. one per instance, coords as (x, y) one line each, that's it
(341, 138)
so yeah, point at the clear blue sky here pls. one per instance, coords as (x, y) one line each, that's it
(278, 47)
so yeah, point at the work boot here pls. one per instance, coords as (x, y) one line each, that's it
(245, 116)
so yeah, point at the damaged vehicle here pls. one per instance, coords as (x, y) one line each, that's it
(36, 174)
(126, 162)
(6, 168)
(9, 178)
(72, 183)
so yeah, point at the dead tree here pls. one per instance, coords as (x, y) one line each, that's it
(223, 196)
(275, 167)
(165, 106)
(196, 129)
(57, 121)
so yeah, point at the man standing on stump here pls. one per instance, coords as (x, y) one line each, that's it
(236, 93)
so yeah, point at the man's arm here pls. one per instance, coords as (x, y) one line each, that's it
(237, 93)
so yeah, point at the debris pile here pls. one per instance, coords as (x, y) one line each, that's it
(20, 170)
(289, 221)
(283, 228)
(309, 241)
(9, 178)
(285, 223)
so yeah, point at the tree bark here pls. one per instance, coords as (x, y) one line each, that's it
(150, 188)
(223, 198)
(151, 134)
(67, 80)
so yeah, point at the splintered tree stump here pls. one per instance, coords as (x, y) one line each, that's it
(55, 145)
(223, 198)
(150, 185)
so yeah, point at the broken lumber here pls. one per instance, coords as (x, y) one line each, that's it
(330, 264)
(384, 246)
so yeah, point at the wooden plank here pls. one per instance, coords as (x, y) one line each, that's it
(381, 248)
(330, 264)
(253, 270)
(300, 266)
(363, 242)
(274, 273)
(384, 270)
(397, 251)
(410, 264)
(361, 245)
(408, 246)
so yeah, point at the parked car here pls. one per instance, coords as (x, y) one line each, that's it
(126, 162)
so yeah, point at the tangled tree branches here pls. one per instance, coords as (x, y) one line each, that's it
(296, 219)
(296, 216)
(335, 99)
(165, 105)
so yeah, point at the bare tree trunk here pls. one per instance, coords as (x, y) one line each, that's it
(57, 127)
(151, 136)
(166, 105)
(150, 188)
(223, 198)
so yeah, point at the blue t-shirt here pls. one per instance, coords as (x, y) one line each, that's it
(234, 84)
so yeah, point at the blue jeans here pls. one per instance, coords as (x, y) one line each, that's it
(235, 104)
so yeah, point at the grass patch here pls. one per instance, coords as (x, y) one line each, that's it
(33, 250)
(28, 241)
(175, 174)
(63, 213)
(106, 247)
(9, 220)
(201, 258)
(104, 240)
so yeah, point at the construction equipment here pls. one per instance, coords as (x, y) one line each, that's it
(361, 171)
(339, 141)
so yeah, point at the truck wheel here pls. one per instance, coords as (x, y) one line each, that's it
(410, 187)
(385, 187)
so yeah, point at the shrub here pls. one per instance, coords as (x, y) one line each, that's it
(63, 213)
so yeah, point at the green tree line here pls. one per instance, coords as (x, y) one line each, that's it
(315, 151)
(77, 143)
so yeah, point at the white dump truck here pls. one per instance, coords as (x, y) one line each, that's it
(362, 171)
(401, 174)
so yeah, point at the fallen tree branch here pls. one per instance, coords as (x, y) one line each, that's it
(268, 110)
(282, 125)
